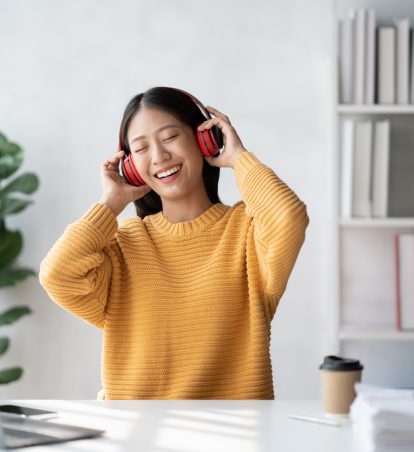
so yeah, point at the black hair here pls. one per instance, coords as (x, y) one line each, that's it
(185, 110)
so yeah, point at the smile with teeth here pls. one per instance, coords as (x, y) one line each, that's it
(171, 171)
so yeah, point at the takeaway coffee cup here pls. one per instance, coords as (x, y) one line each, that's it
(339, 376)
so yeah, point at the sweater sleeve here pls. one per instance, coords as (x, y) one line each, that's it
(279, 222)
(76, 272)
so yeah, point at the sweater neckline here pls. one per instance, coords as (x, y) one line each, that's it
(208, 218)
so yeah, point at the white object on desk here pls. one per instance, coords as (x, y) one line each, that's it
(318, 420)
(383, 418)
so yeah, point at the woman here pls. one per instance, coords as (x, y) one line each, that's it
(186, 291)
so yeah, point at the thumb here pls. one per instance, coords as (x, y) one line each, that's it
(210, 161)
(141, 190)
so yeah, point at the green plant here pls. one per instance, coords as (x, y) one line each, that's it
(11, 242)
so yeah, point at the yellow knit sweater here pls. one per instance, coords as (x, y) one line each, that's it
(186, 307)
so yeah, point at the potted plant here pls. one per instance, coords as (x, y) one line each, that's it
(11, 241)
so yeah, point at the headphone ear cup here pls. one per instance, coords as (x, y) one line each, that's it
(130, 172)
(210, 141)
(218, 136)
(128, 169)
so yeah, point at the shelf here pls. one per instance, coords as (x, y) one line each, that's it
(377, 222)
(376, 334)
(361, 249)
(375, 109)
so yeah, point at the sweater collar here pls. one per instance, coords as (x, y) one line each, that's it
(208, 218)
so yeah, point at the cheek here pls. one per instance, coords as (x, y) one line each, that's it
(140, 165)
(194, 168)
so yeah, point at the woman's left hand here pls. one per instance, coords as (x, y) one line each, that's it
(233, 146)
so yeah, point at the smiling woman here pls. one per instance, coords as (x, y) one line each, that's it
(158, 131)
(185, 292)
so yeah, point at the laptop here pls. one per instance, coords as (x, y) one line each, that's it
(16, 432)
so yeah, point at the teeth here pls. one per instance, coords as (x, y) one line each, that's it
(170, 171)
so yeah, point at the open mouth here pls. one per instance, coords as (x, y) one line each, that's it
(169, 175)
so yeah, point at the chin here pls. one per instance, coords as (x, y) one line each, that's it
(175, 195)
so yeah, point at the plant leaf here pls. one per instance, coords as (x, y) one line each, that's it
(11, 244)
(11, 157)
(12, 276)
(26, 183)
(12, 205)
(4, 345)
(11, 374)
(12, 315)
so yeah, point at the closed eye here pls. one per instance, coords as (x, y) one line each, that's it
(170, 138)
(167, 139)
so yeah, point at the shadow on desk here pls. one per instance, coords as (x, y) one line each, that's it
(196, 425)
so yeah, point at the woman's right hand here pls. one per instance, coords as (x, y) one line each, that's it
(117, 193)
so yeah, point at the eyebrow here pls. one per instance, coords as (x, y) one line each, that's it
(158, 130)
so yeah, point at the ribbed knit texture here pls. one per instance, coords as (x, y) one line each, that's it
(185, 308)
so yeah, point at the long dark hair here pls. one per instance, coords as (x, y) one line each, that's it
(185, 110)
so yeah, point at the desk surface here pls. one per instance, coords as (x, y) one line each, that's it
(198, 426)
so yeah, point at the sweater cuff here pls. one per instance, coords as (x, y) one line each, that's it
(103, 219)
(243, 165)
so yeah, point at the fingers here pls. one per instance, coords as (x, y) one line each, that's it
(221, 119)
(213, 161)
(220, 122)
(118, 155)
(218, 113)
(113, 163)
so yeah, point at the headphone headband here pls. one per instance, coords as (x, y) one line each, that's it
(197, 102)
(205, 112)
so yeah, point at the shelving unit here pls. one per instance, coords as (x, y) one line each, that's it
(375, 109)
(345, 234)
(375, 334)
(377, 223)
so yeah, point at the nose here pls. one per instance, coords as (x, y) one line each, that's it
(159, 154)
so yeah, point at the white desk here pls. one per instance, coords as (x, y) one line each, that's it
(198, 426)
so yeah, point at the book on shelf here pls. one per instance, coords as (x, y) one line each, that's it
(412, 68)
(369, 94)
(345, 61)
(404, 280)
(365, 150)
(402, 47)
(347, 167)
(386, 65)
(376, 63)
(361, 204)
(380, 168)
(359, 57)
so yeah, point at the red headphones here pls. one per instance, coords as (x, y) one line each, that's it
(210, 141)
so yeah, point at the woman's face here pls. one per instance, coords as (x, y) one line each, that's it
(158, 140)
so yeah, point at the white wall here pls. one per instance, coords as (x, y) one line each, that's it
(68, 70)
